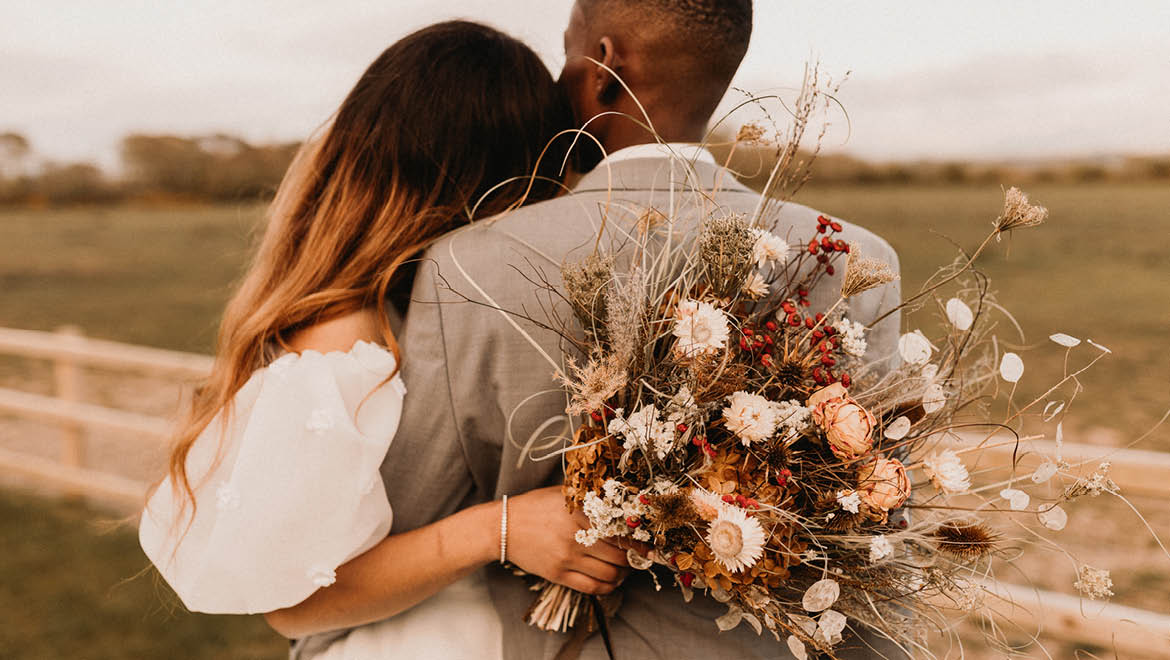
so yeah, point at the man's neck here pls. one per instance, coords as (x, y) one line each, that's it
(627, 134)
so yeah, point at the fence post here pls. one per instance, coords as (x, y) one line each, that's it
(67, 380)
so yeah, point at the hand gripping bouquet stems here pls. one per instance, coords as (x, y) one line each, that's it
(772, 460)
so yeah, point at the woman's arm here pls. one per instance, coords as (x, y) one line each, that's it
(404, 569)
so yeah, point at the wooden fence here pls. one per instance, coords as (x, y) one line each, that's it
(70, 353)
(1110, 626)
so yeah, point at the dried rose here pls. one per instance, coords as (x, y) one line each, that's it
(834, 391)
(883, 484)
(848, 427)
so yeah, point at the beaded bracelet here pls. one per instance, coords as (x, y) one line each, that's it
(504, 532)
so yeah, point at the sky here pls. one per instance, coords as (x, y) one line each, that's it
(934, 79)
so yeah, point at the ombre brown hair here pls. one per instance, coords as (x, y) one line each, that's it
(430, 131)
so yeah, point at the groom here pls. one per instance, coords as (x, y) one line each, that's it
(482, 405)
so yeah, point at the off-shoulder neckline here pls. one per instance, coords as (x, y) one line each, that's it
(365, 353)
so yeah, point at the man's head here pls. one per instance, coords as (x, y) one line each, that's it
(676, 56)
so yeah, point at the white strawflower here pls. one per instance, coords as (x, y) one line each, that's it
(769, 248)
(755, 287)
(880, 548)
(852, 337)
(947, 472)
(736, 539)
(700, 328)
(849, 500)
(751, 417)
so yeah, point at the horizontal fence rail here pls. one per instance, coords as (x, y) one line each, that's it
(1060, 615)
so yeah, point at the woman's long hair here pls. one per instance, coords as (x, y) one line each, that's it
(433, 124)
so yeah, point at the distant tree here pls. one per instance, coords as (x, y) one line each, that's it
(74, 183)
(215, 167)
(14, 151)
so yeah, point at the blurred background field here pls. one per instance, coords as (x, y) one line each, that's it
(159, 275)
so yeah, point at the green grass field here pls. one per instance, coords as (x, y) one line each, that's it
(159, 277)
(1098, 269)
(72, 586)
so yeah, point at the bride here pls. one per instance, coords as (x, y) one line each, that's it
(273, 502)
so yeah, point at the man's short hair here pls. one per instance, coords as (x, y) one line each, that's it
(713, 33)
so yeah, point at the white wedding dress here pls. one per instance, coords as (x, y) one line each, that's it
(288, 490)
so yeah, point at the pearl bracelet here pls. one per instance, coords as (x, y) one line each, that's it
(504, 532)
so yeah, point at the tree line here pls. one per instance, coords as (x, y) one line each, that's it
(215, 168)
(225, 168)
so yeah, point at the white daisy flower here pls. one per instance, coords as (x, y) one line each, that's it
(700, 328)
(736, 539)
(947, 472)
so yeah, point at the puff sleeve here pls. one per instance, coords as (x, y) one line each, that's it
(287, 487)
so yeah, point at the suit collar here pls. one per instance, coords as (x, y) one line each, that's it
(658, 174)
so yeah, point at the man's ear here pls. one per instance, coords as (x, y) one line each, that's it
(605, 84)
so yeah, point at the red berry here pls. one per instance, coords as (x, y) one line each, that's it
(633, 522)
(597, 416)
(828, 360)
(822, 220)
(730, 499)
(769, 341)
(830, 330)
(803, 293)
(818, 334)
(644, 500)
(820, 316)
(845, 249)
(830, 270)
(752, 504)
(809, 322)
(794, 320)
(840, 245)
(786, 472)
(812, 246)
(710, 450)
(827, 244)
(835, 225)
(820, 229)
(748, 332)
(771, 326)
(766, 360)
(743, 344)
(687, 579)
(804, 302)
(698, 440)
(741, 500)
(822, 258)
(682, 428)
(846, 380)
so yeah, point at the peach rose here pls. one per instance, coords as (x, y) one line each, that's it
(883, 484)
(848, 427)
(825, 394)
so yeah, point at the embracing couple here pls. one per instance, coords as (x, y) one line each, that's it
(380, 386)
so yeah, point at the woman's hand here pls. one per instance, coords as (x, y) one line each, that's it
(541, 541)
